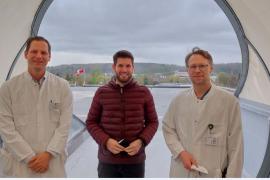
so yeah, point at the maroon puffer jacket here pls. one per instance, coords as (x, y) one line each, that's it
(122, 113)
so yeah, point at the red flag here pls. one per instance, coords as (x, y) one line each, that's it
(80, 71)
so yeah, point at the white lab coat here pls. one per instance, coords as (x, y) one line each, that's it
(185, 127)
(34, 120)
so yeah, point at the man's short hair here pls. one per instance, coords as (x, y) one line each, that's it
(37, 38)
(122, 54)
(198, 51)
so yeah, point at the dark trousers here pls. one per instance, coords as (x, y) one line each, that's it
(120, 170)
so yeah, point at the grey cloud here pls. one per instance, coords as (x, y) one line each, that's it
(155, 30)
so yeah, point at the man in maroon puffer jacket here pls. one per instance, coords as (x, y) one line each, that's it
(122, 120)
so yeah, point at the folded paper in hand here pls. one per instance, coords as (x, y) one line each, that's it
(200, 169)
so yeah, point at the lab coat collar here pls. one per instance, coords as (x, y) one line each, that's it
(209, 94)
(31, 79)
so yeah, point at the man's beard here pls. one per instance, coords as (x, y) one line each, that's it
(121, 80)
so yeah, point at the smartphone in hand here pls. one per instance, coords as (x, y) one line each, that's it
(124, 143)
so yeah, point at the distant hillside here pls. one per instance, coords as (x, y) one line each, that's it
(231, 68)
(140, 68)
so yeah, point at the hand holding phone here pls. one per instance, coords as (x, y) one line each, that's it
(124, 143)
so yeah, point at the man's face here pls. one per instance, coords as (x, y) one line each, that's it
(37, 56)
(123, 69)
(199, 70)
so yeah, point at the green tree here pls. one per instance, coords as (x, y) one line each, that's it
(95, 76)
(69, 77)
(227, 79)
(145, 80)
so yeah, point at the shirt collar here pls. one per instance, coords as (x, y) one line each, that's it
(39, 82)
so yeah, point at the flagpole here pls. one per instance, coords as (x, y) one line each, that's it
(75, 80)
(84, 78)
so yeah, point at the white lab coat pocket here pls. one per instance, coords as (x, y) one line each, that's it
(54, 108)
(216, 136)
(6, 162)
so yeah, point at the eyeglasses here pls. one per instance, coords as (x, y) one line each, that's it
(201, 67)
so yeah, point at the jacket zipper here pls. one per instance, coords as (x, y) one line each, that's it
(123, 112)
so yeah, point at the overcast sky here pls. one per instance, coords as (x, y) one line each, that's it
(159, 31)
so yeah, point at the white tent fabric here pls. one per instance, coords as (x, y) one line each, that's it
(254, 18)
(255, 88)
(16, 17)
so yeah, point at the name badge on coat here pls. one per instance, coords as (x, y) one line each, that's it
(212, 141)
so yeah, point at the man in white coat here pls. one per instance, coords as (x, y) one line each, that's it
(202, 126)
(35, 117)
